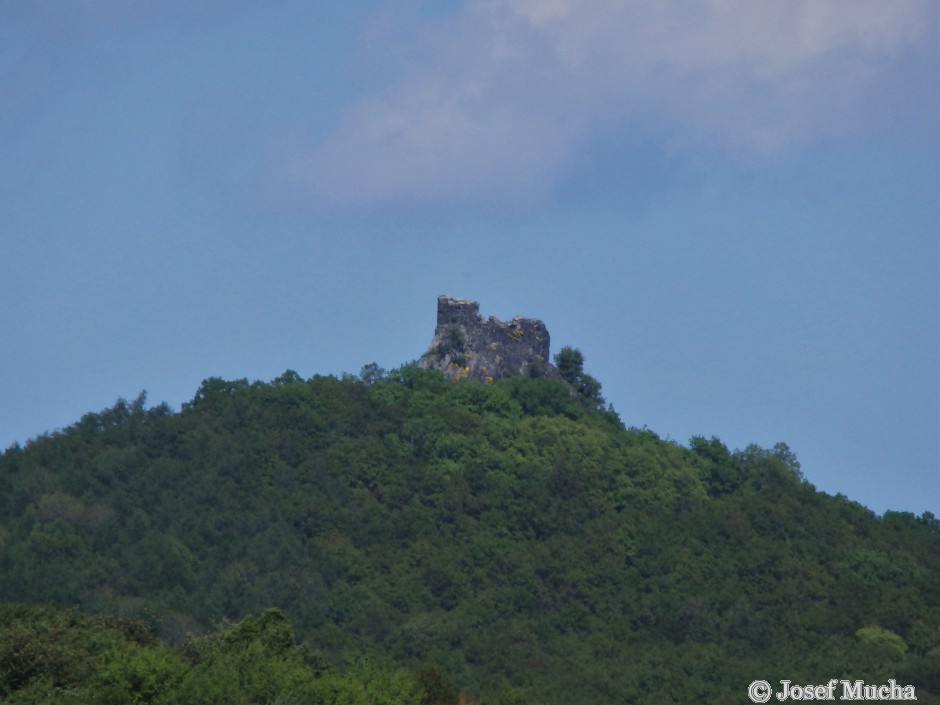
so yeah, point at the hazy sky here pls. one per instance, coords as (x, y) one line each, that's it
(730, 207)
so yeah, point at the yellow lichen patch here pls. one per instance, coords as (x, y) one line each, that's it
(462, 373)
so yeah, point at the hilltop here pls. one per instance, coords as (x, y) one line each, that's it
(509, 534)
(478, 521)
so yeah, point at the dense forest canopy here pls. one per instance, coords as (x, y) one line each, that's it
(510, 540)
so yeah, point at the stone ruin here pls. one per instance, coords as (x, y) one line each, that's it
(467, 347)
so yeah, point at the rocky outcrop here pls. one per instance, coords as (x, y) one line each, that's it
(467, 347)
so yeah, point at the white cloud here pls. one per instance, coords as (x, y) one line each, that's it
(500, 98)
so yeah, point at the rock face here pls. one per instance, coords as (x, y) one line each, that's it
(467, 347)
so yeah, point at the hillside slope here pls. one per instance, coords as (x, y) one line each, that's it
(508, 533)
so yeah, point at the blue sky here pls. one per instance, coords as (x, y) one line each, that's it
(730, 207)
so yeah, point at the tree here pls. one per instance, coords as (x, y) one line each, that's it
(372, 373)
(570, 364)
(722, 473)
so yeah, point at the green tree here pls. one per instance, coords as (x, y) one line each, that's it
(372, 373)
(570, 364)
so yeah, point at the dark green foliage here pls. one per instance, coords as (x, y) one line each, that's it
(437, 686)
(721, 472)
(371, 373)
(505, 540)
(570, 364)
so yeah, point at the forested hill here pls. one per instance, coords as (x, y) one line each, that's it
(509, 535)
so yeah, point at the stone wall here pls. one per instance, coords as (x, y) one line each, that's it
(467, 347)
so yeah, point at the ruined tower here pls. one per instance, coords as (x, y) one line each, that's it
(467, 347)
